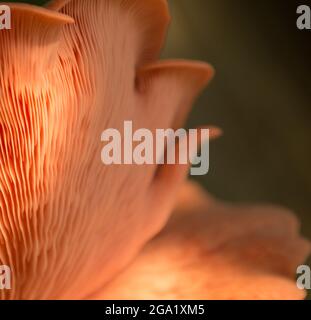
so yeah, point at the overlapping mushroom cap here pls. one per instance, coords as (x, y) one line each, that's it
(213, 250)
(69, 224)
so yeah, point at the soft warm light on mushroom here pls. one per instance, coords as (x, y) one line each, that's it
(68, 224)
(212, 250)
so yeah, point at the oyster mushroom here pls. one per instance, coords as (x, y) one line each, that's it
(213, 250)
(68, 224)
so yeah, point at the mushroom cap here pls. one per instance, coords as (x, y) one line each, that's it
(69, 224)
(216, 251)
(69, 71)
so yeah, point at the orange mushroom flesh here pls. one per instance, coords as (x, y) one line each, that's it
(69, 224)
(213, 250)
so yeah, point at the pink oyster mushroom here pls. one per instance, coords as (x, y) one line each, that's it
(72, 228)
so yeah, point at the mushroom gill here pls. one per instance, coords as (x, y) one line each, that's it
(69, 224)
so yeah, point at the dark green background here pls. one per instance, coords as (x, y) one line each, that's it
(260, 97)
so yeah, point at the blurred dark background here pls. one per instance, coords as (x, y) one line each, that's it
(260, 97)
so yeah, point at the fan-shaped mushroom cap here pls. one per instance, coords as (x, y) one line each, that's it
(69, 224)
(212, 250)
(68, 72)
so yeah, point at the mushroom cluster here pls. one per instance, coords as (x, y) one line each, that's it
(70, 226)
